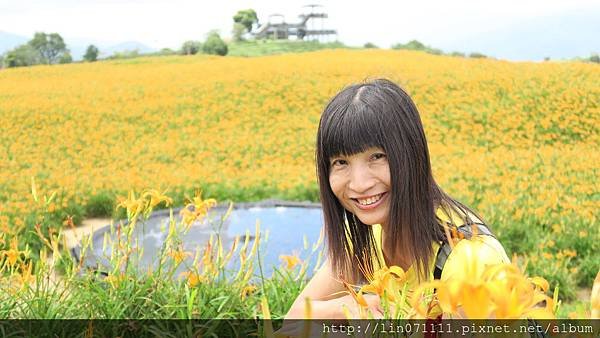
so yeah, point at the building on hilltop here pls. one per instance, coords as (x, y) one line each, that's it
(276, 28)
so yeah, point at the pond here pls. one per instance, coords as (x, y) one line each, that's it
(290, 228)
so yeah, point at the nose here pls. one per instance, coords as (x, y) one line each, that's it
(361, 179)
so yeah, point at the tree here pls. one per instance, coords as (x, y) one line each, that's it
(412, 45)
(91, 53)
(125, 54)
(595, 58)
(191, 47)
(166, 51)
(370, 45)
(65, 58)
(49, 46)
(477, 55)
(22, 56)
(214, 44)
(435, 51)
(415, 45)
(247, 18)
(238, 31)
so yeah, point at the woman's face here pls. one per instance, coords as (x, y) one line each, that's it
(361, 183)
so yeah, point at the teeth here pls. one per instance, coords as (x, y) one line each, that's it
(369, 200)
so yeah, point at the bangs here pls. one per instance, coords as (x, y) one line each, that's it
(351, 131)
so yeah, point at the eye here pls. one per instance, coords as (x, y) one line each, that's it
(377, 156)
(338, 162)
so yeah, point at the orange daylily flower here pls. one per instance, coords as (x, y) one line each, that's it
(179, 255)
(193, 278)
(247, 290)
(386, 281)
(357, 296)
(498, 291)
(197, 208)
(290, 261)
(156, 198)
(13, 254)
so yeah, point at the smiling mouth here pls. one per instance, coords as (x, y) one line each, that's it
(369, 201)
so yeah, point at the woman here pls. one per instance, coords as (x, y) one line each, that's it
(375, 176)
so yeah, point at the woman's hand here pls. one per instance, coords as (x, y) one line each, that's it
(323, 290)
(356, 311)
(331, 311)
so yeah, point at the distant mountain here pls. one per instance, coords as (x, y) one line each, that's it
(9, 41)
(130, 46)
(77, 46)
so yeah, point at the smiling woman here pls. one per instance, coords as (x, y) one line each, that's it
(353, 175)
(381, 204)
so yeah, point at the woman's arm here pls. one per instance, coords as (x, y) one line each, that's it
(322, 290)
(326, 298)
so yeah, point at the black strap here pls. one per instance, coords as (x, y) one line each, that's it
(445, 248)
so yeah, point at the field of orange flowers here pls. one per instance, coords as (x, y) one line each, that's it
(517, 141)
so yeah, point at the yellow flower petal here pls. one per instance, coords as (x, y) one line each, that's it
(476, 301)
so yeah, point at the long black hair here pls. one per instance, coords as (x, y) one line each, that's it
(379, 113)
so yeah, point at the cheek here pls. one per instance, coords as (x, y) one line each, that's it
(386, 177)
(336, 185)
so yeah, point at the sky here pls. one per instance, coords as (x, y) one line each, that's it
(508, 29)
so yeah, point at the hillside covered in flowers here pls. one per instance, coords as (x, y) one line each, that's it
(519, 142)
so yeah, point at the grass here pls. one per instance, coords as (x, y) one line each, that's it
(273, 47)
(208, 288)
(211, 297)
(100, 205)
(575, 309)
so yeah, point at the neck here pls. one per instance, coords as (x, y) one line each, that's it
(395, 256)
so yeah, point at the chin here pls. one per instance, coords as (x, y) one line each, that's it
(370, 221)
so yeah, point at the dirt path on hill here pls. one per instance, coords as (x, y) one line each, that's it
(88, 226)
